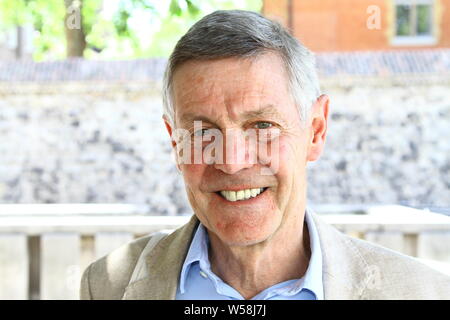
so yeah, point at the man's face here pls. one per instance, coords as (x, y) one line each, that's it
(233, 95)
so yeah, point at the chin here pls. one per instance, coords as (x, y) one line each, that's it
(242, 233)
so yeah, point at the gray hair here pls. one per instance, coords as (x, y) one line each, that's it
(237, 33)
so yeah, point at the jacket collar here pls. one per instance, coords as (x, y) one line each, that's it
(163, 264)
(345, 272)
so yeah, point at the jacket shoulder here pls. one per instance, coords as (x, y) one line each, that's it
(107, 277)
(398, 276)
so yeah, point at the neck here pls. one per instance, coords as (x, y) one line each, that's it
(251, 269)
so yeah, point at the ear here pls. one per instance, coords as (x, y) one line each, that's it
(174, 143)
(319, 125)
(169, 130)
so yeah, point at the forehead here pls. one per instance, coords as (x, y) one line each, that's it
(230, 87)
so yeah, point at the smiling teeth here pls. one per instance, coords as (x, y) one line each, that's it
(241, 194)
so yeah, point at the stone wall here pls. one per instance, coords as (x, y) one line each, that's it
(386, 144)
(104, 142)
(87, 142)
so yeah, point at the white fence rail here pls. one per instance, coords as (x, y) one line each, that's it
(45, 248)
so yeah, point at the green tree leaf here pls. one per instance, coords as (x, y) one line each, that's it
(175, 8)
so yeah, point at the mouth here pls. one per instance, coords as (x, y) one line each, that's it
(241, 195)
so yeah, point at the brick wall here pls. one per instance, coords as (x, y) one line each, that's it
(331, 25)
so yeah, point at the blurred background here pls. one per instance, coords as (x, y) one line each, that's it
(85, 161)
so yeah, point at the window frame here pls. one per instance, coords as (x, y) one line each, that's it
(415, 40)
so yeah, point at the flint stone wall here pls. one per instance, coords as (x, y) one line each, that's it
(105, 142)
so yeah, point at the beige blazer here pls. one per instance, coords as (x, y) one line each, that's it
(352, 269)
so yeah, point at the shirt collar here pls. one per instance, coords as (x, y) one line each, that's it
(198, 252)
(313, 276)
(312, 280)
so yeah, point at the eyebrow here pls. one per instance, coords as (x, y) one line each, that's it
(191, 117)
(266, 111)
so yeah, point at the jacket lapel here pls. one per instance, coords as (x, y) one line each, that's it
(163, 265)
(343, 266)
(345, 272)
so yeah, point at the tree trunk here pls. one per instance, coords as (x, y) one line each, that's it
(75, 37)
(20, 49)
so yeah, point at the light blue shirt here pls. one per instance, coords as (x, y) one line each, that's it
(198, 282)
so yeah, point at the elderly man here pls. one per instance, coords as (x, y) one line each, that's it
(245, 115)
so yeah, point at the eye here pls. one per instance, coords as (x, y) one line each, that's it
(201, 132)
(263, 125)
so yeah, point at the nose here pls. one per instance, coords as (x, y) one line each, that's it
(232, 168)
(237, 153)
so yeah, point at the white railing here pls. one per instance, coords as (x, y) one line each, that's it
(45, 248)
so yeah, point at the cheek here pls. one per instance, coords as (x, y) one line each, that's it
(293, 152)
(192, 173)
(286, 157)
(192, 176)
(292, 163)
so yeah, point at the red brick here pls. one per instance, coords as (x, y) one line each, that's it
(331, 25)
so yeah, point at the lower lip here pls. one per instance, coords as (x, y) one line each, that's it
(259, 197)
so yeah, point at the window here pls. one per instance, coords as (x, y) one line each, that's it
(413, 22)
